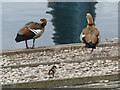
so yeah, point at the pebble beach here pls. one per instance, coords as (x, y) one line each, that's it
(71, 62)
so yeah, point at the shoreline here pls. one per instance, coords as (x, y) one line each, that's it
(63, 46)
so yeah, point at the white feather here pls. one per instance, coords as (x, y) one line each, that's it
(83, 35)
(36, 31)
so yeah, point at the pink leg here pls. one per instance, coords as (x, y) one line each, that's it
(92, 51)
(26, 44)
(33, 44)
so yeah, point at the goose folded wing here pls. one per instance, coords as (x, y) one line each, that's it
(82, 35)
(31, 26)
(24, 30)
(37, 29)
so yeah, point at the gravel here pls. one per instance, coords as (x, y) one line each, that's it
(87, 67)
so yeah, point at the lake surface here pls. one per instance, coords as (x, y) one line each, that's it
(65, 21)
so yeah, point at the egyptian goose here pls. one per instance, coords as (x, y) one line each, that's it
(31, 30)
(90, 35)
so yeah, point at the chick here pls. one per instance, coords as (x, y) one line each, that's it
(52, 71)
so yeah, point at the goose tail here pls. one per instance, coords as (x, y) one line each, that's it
(19, 38)
(91, 45)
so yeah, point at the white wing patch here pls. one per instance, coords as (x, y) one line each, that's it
(36, 31)
(83, 35)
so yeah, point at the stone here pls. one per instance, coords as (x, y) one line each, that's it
(108, 61)
(86, 69)
(109, 71)
(63, 56)
(106, 81)
(95, 65)
(66, 51)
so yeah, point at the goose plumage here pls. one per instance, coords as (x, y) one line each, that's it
(90, 35)
(31, 30)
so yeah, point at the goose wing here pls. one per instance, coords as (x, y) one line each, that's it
(24, 30)
(31, 26)
(90, 35)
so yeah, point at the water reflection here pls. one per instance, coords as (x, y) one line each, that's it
(69, 20)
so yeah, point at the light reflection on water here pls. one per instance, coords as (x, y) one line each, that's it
(65, 21)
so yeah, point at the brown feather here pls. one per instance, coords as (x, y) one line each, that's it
(94, 39)
(87, 38)
(35, 26)
(91, 34)
(24, 31)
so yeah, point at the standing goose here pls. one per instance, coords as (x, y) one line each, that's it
(90, 35)
(31, 30)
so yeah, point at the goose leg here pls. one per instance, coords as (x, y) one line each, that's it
(91, 54)
(26, 44)
(91, 51)
(33, 44)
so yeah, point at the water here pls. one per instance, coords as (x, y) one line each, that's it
(65, 21)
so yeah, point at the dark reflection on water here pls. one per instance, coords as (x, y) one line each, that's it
(69, 20)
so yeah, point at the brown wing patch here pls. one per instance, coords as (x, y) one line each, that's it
(91, 38)
(91, 34)
(24, 31)
(94, 40)
(35, 26)
(87, 38)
